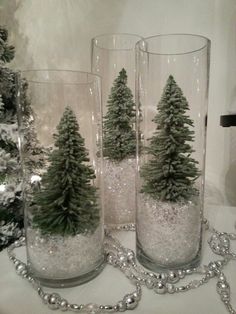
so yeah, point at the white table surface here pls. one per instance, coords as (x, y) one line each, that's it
(17, 296)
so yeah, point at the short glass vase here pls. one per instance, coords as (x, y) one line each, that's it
(60, 138)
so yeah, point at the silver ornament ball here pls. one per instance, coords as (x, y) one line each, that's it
(170, 288)
(130, 302)
(160, 288)
(173, 277)
(54, 301)
(63, 305)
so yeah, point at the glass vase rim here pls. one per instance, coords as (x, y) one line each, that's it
(117, 34)
(32, 70)
(190, 51)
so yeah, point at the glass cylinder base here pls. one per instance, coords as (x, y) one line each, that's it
(148, 263)
(55, 262)
(71, 282)
(168, 234)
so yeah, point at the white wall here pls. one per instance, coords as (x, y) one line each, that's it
(57, 33)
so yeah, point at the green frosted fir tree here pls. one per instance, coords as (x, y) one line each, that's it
(11, 194)
(119, 138)
(171, 172)
(67, 202)
(11, 214)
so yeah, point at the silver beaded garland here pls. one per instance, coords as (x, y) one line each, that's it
(161, 283)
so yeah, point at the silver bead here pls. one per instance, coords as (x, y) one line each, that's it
(19, 268)
(182, 289)
(170, 288)
(17, 262)
(149, 283)
(130, 255)
(137, 295)
(108, 309)
(40, 292)
(53, 301)
(164, 276)
(212, 266)
(121, 306)
(222, 278)
(225, 297)
(188, 271)
(173, 277)
(35, 284)
(158, 276)
(151, 275)
(122, 257)
(23, 273)
(74, 307)
(63, 304)
(181, 274)
(211, 273)
(130, 302)
(160, 288)
(29, 278)
(111, 258)
(195, 284)
(219, 264)
(46, 297)
(222, 287)
(91, 308)
(17, 243)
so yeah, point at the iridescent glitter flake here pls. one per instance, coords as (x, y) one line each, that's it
(168, 233)
(119, 191)
(57, 257)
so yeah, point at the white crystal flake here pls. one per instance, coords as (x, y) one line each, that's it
(57, 257)
(168, 233)
(119, 191)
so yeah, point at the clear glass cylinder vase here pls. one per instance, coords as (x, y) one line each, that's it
(60, 141)
(172, 93)
(113, 58)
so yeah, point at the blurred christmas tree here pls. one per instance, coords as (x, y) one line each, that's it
(11, 212)
(171, 172)
(119, 138)
(67, 202)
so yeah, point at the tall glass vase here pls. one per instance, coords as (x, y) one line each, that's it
(60, 140)
(172, 90)
(113, 58)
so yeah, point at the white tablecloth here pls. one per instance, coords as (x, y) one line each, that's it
(17, 296)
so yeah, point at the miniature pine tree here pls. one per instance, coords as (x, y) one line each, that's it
(67, 202)
(119, 138)
(171, 172)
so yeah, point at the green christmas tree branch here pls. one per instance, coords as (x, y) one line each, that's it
(171, 172)
(67, 202)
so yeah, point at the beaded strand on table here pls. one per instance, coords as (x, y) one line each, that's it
(124, 259)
